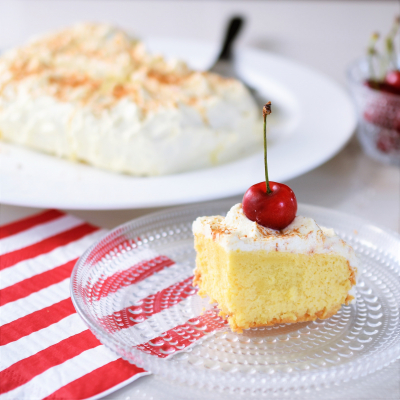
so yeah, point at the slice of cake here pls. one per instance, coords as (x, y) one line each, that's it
(260, 276)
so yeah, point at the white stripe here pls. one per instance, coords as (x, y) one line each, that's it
(151, 285)
(38, 233)
(119, 386)
(34, 302)
(40, 340)
(56, 377)
(44, 262)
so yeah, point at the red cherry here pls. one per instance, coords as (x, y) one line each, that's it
(270, 204)
(382, 87)
(393, 78)
(275, 210)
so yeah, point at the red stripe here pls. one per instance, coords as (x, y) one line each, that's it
(23, 371)
(149, 306)
(34, 322)
(182, 336)
(97, 381)
(29, 222)
(36, 283)
(130, 276)
(46, 245)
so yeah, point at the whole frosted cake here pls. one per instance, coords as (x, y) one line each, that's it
(261, 276)
(94, 94)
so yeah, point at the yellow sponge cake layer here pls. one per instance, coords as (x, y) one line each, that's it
(262, 277)
(264, 288)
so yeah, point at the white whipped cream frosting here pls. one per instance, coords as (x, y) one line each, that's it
(303, 235)
(92, 93)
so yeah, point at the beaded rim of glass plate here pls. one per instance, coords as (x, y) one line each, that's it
(357, 341)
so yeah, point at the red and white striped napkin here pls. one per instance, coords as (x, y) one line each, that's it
(46, 349)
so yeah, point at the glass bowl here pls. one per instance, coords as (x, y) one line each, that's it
(357, 341)
(378, 116)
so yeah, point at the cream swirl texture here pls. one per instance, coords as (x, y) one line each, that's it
(93, 93)
(303, 235)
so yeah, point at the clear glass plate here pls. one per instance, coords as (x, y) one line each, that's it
(358, 340)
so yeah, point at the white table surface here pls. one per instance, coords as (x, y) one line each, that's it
(326, 35)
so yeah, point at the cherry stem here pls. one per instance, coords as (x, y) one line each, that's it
(390, 46)
(266, 111)
(372, 53)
